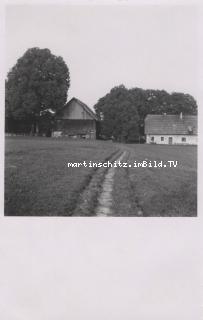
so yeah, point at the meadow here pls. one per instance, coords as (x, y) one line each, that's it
(164, 191)
(38, 181)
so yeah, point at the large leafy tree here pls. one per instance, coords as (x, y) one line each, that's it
(38, 82)
(181, 102)
(123, 110)
(160, 101)
(121, 119)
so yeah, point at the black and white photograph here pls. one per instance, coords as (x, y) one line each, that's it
(101, 170)
(101, 110)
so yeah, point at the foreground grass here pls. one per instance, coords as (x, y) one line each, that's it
(158, 191)
(38, 181)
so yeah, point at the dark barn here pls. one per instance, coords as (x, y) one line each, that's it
(76, 120)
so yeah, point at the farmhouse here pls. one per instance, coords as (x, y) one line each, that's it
(171, 129)
(76, 120)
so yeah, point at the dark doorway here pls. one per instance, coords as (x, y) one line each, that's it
(170, 140)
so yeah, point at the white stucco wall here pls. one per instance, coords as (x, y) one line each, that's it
(176, 139)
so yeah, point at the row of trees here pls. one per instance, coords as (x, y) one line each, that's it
(123, 110)
(39, 83)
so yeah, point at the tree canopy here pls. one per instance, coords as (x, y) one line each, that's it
(123, 110)
(39, 81)
(121, 119)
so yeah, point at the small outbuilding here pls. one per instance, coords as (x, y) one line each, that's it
(171, 129)
(76, 120)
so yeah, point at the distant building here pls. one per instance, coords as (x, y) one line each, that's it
(76, 120)
(171, 129)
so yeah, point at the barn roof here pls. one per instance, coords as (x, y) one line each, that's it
(83, 105)
(170, 124)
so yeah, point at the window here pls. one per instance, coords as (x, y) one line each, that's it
(162, 138)
(152, 139)
(183, 139)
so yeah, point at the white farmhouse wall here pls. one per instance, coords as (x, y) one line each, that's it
(176, 139)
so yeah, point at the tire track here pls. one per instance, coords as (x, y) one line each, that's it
(125, 201)
(104, 207)
(88, 197)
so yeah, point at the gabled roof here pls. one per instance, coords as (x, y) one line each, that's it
(83, 105)
(170, 124)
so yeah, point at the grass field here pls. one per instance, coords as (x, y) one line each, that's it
(158, 191)
(38, 181)
(37, 178)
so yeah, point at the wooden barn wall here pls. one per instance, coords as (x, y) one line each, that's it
(74, 111)
(76, 127)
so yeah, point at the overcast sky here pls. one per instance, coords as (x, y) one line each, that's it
(104, 46)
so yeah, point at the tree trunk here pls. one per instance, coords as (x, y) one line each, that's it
(36, 128)
(32, 130)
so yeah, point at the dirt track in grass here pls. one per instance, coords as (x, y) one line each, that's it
(157, 191)
(38, 181)
(149, 191)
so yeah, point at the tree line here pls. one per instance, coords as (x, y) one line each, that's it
(123, 110)
(37, 88)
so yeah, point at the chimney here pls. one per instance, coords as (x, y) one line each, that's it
(181, 116)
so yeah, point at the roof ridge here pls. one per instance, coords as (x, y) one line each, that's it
(91, 112)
